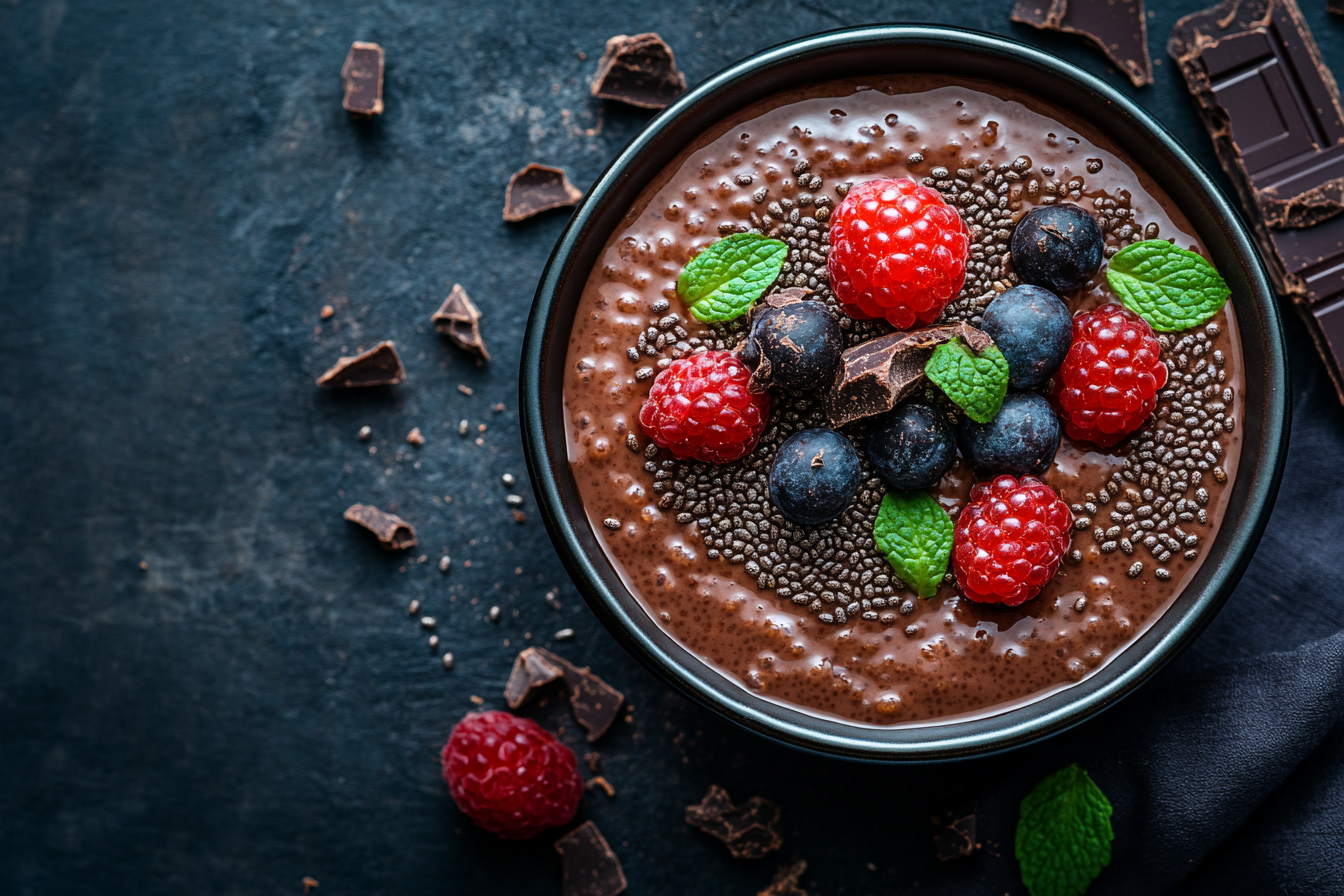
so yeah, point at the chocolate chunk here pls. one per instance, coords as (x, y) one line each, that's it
(1335, 6)
(956, 840)
(394, 532)
(535, 189)
(876, 375)
(363, 78)
(1274, 113)
(591, 868)
(379, 366)
(638, 70)
(749, 831)
(786, 880)
(595, 703)
(459, 319)
(1117, 26)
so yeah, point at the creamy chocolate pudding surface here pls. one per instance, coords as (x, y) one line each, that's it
(816, 619)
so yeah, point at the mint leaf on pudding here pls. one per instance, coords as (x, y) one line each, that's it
(976, 382)
(1171, 288)
(915, 533)
(723, 281)
(1064, 834)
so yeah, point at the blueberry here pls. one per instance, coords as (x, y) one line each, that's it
(912, 446)
(1033, 329)
(1022, 439)
(1057, 246)
(814, 476)
(795, 347)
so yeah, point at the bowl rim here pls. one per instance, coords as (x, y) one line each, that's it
(1253, 491)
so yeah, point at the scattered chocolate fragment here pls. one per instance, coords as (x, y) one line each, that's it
(363, 78)
(415, 437)
(590, 867)
(602, 783)
(1335, 6)
(538, 188)
(379, 366)
(394, 532)
(1117, 26)
(786, 880)
(956, 840)
(749, 831)
(595, 703)
(639, 70)
(459, 319)
(1274, 113)
(876, 375)
(310, 884)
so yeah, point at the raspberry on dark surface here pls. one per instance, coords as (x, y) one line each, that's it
(701, 408)
(1009, 540)
(509, 775)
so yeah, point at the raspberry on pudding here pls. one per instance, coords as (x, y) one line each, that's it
(860, 412)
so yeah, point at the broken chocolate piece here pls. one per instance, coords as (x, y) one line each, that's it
(595, 703)
(1274, 113)
(379, 366)
(876, 375)
(749, 831)
(394, 532)
(786, 880)
(363, 78)
(1335, 6)
(591, 868)
(1117, 26)
(535, 189)
(639, 70)
(459, 319)
(956, 840)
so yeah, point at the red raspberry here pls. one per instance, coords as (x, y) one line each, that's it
(700, 407)
(509, 775)
(1107, 385)
(897, 251)
(1009, 540)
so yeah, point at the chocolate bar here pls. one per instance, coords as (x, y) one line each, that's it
(1273, 110)
(362, 75)
(1117, 26)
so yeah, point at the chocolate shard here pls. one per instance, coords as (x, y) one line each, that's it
(956, 840)
(1116, 26)
(595, 703)
(876, 375)
(786, 880)
(362, 75)
(1277, 123)
(393, 532)
(536, 189)
(749, 831)
(639, 70)
(590, 867)
(459, 319)
(379, 366)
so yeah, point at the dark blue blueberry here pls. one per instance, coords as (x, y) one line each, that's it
(1057, 246)
(911, 447)
(795, 348)
(1033, 329)
(1021, 440)
(814, 476)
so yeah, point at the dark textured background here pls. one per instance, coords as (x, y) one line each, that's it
(180, 193)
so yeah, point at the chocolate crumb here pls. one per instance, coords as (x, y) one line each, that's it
(956, 840)
(1118, 27)
(415, 437)
(639, 70)
(603, 783)
(786, 879)
(392, 531)
(379, 366)
(327, 312)
(362, 75)
(519, 516)
(459, 319)
(479, 701)
(535, 189)
(310, 884)
(595, 703)
(594, 761)
(590, 867)
(448, 661)
(565, 634)
(749, 831)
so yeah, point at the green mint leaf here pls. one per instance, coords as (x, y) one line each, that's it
(1171, 288)
(1064, 834)
(915, 533)
(722, 281)
(977, 383)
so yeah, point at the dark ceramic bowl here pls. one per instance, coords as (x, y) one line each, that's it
(883, 50)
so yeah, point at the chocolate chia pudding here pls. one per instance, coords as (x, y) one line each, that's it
(815, 614)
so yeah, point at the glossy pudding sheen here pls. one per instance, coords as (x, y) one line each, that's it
(822, 625)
